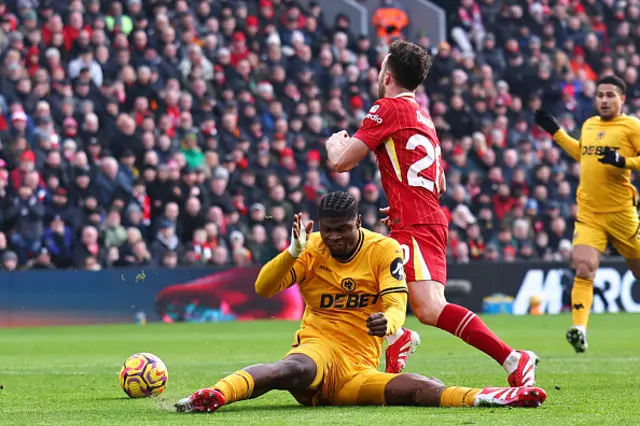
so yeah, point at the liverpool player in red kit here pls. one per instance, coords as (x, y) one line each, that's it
(407, 148)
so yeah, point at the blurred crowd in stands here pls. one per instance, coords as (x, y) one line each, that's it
(175, 132)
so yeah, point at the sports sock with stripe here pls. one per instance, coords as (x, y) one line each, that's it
(581, 301)
(236, 386)
(466, 325)
(456, 396)
(392, 338)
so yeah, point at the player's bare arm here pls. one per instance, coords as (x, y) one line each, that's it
(345, 153)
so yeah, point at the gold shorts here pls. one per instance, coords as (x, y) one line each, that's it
(339, 380)
(594, 229)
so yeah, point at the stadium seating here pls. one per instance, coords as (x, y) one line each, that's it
(133, 133)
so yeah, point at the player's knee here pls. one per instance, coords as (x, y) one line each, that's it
(586, 267)
(428, 311)
(295, 370)
(426, 314)
(634, 266)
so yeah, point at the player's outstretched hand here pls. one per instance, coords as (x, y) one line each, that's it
(299, 235)
(377, 324)
(547, 121)
(612, 157)
(385, 220)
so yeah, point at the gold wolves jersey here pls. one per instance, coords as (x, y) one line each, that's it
(341, 295)
(604, 188)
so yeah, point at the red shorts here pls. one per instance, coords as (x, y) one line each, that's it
(425, 252)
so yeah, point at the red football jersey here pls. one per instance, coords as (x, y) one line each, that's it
(407, 148)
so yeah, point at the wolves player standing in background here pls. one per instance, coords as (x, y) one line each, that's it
(607, 201)
(407, 148)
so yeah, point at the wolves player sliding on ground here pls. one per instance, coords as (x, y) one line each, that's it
(607, 201)
(353, 285)
(407, 148)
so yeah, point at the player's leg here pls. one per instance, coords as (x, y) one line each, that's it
(634, 266)
(589, 241)
(624, 230)
(372, 387)
(416, 390)
(426, 271)
(404, 342)
(296, 372)
(430, 306)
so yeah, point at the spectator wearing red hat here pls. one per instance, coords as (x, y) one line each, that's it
(253, 28)
(238, 49)
(27, 164)
(266, 13)
(32, 60)
(287, 161)
(578, 65)
(313, 159)
(356, 103)
(509, 254)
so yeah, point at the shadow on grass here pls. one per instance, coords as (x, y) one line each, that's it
(239, 408)
(253, 408)
(116, 398)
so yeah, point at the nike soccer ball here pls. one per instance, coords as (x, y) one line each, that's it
(143, 375)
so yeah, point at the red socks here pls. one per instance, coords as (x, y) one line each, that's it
(466, 325)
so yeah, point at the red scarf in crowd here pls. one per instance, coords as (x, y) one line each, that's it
(145, 203)
(203, 251)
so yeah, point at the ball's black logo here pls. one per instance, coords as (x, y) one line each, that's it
(348, 284)
(397, 269)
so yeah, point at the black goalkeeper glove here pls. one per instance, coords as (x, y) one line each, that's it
(612, 157)
(547, 121)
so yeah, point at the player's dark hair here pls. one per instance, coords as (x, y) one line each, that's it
(338, 204)
(614, 80)
(408, 63)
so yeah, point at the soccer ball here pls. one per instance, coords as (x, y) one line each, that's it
(143, 375)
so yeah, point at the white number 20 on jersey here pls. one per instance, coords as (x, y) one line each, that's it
(432, 159)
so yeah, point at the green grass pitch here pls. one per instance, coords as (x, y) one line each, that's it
(69, 375)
